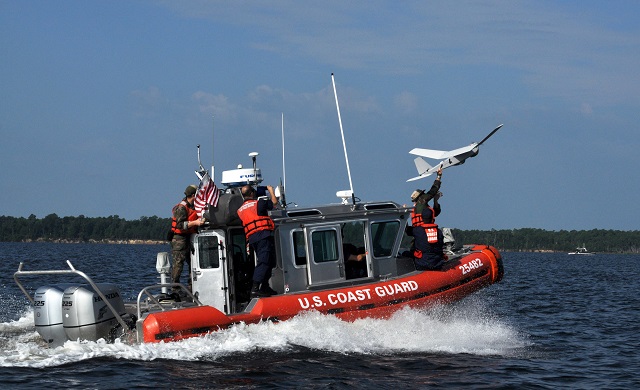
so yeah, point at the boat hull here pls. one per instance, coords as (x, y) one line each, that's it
(481, 267)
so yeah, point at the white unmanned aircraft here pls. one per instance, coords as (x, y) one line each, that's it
(448, 159)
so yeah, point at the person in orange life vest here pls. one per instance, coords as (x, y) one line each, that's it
(184, 222)
(258, 228)
(428, 239)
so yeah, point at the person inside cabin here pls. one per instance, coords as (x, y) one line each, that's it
(428, 239)
(184, 222)
(258, 228)
(354, 258)
(355, 261)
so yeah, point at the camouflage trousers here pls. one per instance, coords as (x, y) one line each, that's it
(180, 253)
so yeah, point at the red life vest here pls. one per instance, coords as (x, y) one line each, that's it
(192, 215)
(251, 221)
(416, 218)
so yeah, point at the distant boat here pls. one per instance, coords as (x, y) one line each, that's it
(581, 251)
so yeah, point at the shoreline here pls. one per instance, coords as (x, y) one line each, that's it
(103, 241)
(163, 242)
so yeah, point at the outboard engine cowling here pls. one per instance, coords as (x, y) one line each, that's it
(86, 316)
(47, 313)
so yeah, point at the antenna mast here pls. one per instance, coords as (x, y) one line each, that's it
(284, 174)
(253, 156)
(344, 146)
(213, 143)
(201, 171)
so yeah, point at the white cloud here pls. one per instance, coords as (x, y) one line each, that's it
(557, 53)
(218, 105)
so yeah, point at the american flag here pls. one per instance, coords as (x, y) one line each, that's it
(207, 194)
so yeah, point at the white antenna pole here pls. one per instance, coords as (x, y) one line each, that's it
(253, 156)
(344, 146)
(213, 144)
(201, 170)
(284, 174)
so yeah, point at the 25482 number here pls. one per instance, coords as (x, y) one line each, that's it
(473, 264)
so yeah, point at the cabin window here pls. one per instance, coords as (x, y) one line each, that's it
(299, 248)
(352, 246)
(383, 235)
(208, 254)
(325, 246)
(353, 233)
(238, 249)
(407, 239)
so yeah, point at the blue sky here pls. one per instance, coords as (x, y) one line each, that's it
(102, 104)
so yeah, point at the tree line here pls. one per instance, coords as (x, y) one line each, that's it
(83, 229)
(532, 240)
(114, 228)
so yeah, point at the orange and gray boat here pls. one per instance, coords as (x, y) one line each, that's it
(311, 274)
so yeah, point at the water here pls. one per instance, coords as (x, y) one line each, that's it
(555, 321)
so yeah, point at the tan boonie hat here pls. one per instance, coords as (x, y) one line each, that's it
(416, 194)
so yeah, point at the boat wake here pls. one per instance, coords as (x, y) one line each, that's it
(466, 327)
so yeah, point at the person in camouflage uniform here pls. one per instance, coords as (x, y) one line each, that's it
(184, 222)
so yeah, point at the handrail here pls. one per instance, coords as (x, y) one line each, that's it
(71, 271)
(339, 215)
(155, 300)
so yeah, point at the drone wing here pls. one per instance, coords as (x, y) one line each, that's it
(441, 155)
(424, 169)
(447, 158)
(490, 134)
(429, 153)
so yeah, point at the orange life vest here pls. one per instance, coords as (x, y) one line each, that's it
(416, 218)
(251, 221)
(192, 215)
